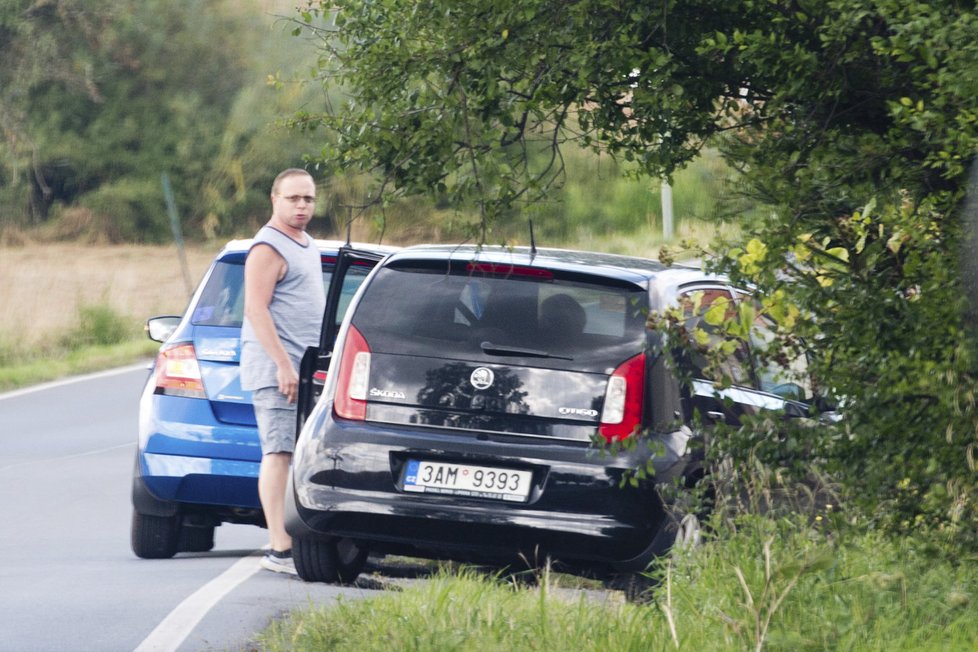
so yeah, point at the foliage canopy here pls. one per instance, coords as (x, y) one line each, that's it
(853, 120)
(98, 98)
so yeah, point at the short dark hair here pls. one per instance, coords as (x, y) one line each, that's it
(284, 174)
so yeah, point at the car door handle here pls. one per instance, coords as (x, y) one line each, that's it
(716, 416)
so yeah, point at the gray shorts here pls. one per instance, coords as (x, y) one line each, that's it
(276, 420)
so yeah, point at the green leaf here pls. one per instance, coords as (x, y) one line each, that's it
(717, 312)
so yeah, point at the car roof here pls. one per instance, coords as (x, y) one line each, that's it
(642, 271)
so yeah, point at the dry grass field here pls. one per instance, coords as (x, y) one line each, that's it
(42, 286)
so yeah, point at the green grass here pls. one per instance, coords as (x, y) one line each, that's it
(36, 368)
(457, 611)
(765, 584)
(101, 339)
(781, 585)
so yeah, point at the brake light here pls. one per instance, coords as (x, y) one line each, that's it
(499, 269)
(354, 374)
(177, 372)
(623, 400)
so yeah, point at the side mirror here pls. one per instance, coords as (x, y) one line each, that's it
(160, 328)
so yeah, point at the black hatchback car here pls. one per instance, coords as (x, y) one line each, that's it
(468, 404)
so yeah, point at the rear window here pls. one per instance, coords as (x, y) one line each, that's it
(221, 302)
(552, 319)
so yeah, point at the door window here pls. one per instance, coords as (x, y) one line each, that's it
(715, 356)
(745, 362)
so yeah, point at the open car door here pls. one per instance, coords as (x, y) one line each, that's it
(352, 267)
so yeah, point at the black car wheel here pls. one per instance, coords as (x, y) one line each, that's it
(154, 537)
(350, 559)
(196, 539)
(683, 534)
(328, 560)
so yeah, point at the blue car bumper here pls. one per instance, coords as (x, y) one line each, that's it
(186, 455)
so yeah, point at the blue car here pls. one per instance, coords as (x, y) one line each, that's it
(198, 451)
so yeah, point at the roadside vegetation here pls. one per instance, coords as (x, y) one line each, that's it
(20, 369)
(75, 308)
(780, 583)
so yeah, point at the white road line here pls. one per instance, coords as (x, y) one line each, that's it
(73, 379)
(174, 629)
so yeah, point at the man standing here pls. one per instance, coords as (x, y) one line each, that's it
(284, 304)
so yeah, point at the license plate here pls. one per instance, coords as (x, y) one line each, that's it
(467, 480)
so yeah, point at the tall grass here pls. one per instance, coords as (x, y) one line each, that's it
(602, 196)
(781, 568)
(765, 584)
(100, 324)
(100, 338)
(73, 308)
(780, 584)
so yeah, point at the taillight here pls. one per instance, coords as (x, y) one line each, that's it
(622, 413)
(503, 269)
(354, 374)
(177, 372)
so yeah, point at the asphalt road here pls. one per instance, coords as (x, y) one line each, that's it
(68, 579)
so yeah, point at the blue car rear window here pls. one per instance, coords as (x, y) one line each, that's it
(221, 302)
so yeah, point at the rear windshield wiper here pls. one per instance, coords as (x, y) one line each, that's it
(495, 349)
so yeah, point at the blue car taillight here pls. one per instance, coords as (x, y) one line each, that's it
(177, 372)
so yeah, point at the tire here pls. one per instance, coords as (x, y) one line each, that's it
(350, 560)
(685, 535)
(196, 539)
(154, 537)
(333, 560)
(638, 586)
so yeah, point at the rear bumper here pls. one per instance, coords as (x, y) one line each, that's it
(187, 456)
(197, 480)
(347, 481)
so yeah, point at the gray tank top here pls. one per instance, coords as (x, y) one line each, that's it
(297, 306)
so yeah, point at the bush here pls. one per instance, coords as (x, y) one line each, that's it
(128, 210)
(99, 324)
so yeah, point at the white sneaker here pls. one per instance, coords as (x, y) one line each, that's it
(278, 562)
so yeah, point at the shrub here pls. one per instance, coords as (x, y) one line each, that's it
(98, 324)
(129, 210)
